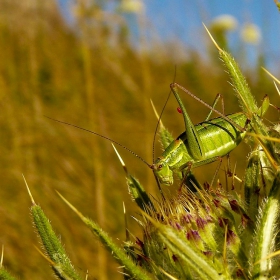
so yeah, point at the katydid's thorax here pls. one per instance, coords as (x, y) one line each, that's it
(219, 137)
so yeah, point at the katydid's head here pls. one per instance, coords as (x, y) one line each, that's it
(163, 172)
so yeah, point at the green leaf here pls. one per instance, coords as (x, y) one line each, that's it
(53, 246)
(5, 275)
(138, 193)
(266, 231)
(120, 255)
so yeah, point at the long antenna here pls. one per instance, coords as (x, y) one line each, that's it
(102, 136)
(161, 113)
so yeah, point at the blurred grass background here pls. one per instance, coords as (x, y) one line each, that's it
(88, 74)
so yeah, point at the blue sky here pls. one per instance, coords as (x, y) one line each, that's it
(182, 19)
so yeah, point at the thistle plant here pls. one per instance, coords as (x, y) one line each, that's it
(209, 233)
(203, 231)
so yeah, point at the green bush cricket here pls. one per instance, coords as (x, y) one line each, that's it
(198, 144)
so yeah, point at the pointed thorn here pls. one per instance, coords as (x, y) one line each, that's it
(28, 190)
(124, 210)
(44, 256)
(70, 205)
(120, 159)
(211, 37)
(127, 236)
(167, 274)
(273, 139)
(276, 88)
(138, 221)
(273, 77)
(156, 113)
(2, 256)
(274, 254)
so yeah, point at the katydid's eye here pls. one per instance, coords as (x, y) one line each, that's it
(160, 166)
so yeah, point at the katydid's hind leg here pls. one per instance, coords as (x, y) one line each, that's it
(229, 174)
(217, 98)
(194, 145)
(189, 130)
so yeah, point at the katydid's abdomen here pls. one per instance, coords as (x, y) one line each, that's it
(218, 137)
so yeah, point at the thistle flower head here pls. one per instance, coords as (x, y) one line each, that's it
(224, 22)
(209, 221)
(251, 34)
(132, 6)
